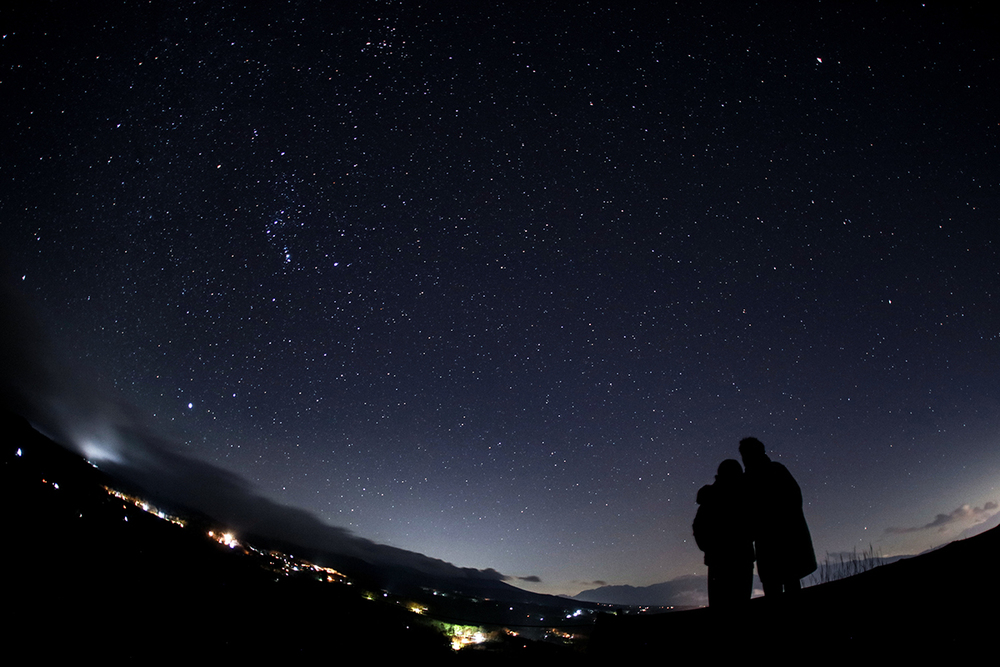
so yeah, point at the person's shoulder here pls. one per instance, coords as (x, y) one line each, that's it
(779, 473)
(776, 472)
(704, 494)
(776, 467)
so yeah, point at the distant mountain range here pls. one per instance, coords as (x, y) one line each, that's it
(194, 488)
(687, 591)
(91, 550)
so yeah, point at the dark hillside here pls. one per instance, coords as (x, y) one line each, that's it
(937, 604)
(89, 574)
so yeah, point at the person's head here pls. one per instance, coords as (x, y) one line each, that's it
(752, 450)
(729, 469)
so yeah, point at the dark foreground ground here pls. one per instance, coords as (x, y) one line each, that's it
(940, 605)
(85, 575)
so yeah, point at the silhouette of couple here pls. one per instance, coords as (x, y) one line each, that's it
(756, 513)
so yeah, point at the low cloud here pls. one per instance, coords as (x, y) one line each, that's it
(942, 521)
(38, 383)
(534, 579)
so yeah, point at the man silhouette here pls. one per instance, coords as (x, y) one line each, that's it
(781, 536)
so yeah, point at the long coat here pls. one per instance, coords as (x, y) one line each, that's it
(781, 536)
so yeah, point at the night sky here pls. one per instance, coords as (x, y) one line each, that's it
(503, 286)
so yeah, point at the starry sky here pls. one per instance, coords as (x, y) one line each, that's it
(504, 285)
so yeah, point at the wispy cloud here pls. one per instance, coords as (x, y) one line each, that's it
(942, 521)
(589, 584)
